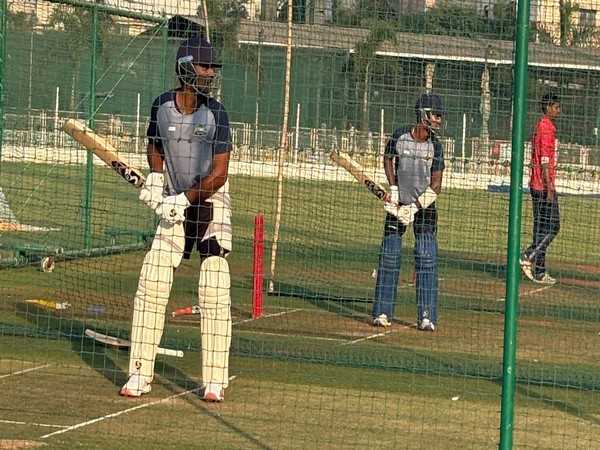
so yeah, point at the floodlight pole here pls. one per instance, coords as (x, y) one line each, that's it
(513, 275)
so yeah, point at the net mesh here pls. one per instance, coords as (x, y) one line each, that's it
(73, 234)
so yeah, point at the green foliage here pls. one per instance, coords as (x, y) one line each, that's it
(78, 21)
(19, 21)
(379, 32)
(225, 17)
(566, 11)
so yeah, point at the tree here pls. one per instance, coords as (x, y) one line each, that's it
(77, 24)
(19, 21)
(566, 11)
(379, 32)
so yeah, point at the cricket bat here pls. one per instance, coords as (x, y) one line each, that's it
(113, 341)
(105, 151)
(358, 172)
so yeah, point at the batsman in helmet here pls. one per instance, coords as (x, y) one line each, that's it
(414, 164)
(188, 153)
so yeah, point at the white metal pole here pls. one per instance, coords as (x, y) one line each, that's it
(464, 139)
(297, 137)
(382, 133)
(56, 100)
(137, 124)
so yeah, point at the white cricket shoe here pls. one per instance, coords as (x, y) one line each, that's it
(381, 321)
(545, 279)
(213, 392)
(135, 386)
(526, 268)
(426, 325)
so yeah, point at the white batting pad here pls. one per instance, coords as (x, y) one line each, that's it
(215, 310)
(220, 225)
(150, 302)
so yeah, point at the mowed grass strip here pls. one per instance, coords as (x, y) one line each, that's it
(290, 405)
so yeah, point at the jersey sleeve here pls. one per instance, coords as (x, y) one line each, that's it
(222, 143)
(390, 147)
(153, 132)
(438, 163)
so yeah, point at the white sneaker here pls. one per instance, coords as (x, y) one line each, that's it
(526, 268)
(135, 386)
(426, 325)
(545, 279)
(381, 321)
(213, 392)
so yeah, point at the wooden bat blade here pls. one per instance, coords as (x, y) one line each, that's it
(116, 342)
(105, 151)
(358, 172)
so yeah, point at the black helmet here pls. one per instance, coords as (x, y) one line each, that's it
(195, 50)
(428, 104)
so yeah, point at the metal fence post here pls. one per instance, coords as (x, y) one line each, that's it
(513, 275)
(89, 173)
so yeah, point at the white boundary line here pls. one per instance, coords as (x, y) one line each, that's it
(366, 338)
(123, 411)
(525, 294)
(116, 414)
(20, 372)
(18, 422)
(320, 338)
(266, 316)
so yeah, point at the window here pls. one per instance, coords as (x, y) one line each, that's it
(587, 18)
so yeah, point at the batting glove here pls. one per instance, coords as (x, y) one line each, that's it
(151, 192)
(172, 209)
(404, 213)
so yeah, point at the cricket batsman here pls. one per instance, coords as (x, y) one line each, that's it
(414, 164)
(188, 153)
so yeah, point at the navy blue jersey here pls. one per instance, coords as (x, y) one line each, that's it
(414, 163)
(188, 142)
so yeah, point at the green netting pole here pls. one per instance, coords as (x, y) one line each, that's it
(165, 45)
(3, 11)
(513, 275)
(89, 174)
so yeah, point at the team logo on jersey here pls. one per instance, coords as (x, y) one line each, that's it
(200, 131)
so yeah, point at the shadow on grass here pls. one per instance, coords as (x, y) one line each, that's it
(174, 380)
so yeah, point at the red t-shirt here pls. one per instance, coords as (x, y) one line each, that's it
(543, 151)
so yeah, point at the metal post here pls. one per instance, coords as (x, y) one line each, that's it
(56, 110)
(89, 178)
(297, 137)
(463, 143)
(381, 133)
(137, 124)
(3, 11)
(163, 62)
(34, 20)
(514, 229)
(258, 63)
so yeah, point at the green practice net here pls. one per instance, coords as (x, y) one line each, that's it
(309, 370)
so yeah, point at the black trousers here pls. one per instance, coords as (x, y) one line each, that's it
(546, 225)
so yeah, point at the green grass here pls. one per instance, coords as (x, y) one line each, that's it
(313, 374)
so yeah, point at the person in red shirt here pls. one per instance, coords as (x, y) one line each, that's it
(546, 214)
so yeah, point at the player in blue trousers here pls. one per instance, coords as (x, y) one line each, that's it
(414, 164)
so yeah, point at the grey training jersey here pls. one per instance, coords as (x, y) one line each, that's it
(188, 141)
(414, 163)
